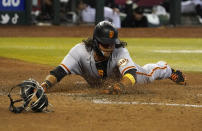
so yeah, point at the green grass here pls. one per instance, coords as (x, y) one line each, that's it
(38, 50)
(142, 51)
(51, 51)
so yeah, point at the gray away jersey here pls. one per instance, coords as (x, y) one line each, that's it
(81, 62)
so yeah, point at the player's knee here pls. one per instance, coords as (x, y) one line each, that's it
(161, 63)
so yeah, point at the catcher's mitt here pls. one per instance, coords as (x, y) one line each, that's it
(29, 90)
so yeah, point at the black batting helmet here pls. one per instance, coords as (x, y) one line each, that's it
(105, 33)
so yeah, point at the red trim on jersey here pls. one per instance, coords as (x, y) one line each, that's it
(66, 68)
(130, 67)
(140, 73)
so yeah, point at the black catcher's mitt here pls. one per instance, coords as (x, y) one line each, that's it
(32, 95)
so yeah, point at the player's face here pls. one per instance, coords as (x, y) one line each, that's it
(107, 49)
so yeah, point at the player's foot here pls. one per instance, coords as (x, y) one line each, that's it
(178, 77)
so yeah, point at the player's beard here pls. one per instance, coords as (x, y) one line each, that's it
(106, 54)
(106, 51)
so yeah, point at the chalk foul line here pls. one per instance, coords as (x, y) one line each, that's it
(177, 51)
(104, 101)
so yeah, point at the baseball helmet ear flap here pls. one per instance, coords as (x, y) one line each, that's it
(96, 48)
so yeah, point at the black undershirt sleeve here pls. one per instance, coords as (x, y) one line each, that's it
(58, 72)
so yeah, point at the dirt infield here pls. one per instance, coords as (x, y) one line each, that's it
(86, 31)
(162, 105)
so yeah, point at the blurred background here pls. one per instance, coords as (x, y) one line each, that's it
(122, 13)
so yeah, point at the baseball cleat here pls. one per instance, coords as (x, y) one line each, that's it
(178, 77)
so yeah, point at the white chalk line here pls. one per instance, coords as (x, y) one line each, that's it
(177, 51)
(104, 101)
(199, 95)
(66, 94)
(49, 94)
(31, 47)
(3, 94)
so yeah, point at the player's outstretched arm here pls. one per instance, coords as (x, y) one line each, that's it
(55, 76)
(50, 81)
(128, 81)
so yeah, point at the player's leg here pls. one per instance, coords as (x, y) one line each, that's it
(160, 70)
(150, 72)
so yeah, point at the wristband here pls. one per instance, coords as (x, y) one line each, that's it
(131, 78)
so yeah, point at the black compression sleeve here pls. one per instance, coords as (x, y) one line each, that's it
(58, 72)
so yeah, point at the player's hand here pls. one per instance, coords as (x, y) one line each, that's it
(44, 86)
(115, 89)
